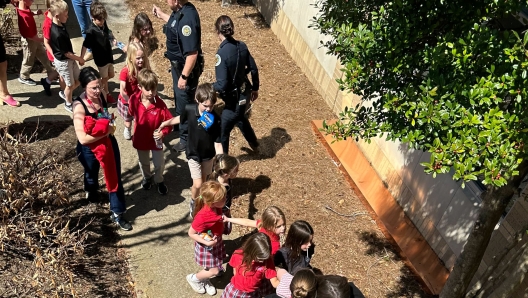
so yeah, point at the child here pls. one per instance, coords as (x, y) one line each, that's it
(252, 264)
(148, 111)
(141, 32)
(65, 59)
(98, 38)
(225, 168)
(46, 27)
(272, 224)
(208, 253)
(204, 138)
(128, 84)
(32, 46)
(302, 285)
(298, 242)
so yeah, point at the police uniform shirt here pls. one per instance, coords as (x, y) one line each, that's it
(226, 66)
(184, 33)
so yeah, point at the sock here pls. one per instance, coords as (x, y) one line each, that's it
(48, 81)
(193, 278)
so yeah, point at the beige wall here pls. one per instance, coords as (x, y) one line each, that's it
(441, 210)
(37, 4)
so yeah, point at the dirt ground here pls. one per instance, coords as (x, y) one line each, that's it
(296, 174)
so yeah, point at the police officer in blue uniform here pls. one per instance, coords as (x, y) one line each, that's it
(184, 50)
(233, 63)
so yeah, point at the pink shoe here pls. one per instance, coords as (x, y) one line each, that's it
(10, 101)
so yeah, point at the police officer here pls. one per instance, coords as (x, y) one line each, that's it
(233, 63)
(184, 40)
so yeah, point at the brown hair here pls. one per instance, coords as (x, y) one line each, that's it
(270, 217)
(58, 7)
(303, 284)
(224, 25)
(223, 164)
(332, 286)
(148, 79)
(210, 192)
(98, 11)
(132, 50)
(298, 234)
(256, 248)
(205, 92)
(141, 21)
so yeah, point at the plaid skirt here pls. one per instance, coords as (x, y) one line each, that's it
(122, 109)
(231, 292)
(209, 258)
(265, 288)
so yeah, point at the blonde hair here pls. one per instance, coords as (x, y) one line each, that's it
(132, 50)
(148, 79)
(270, 217)
(211, 192)
(58, 7)
(303, 284)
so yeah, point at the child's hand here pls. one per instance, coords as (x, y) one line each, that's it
(39, 12)
(158, 134)
(225, 218)
(115, 42)
(212, 242)
(81, 61)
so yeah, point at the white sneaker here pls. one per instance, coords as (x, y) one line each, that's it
(209, 288)
(62, 95)
(198, 286)
(127, 133)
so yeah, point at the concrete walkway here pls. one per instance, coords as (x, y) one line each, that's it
(160, 252)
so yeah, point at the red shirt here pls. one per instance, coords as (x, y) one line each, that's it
(131, 84)
(275, 239)
(26, 23)
(147, 120)
(249, 281)
(209, 219)
(46, 27)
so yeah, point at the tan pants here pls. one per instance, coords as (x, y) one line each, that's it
(158, 159)
(31, 50)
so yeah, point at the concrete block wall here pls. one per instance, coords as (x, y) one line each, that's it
(441, 210)
(37, 4)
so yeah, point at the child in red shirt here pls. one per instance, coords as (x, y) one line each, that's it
(208, 252)
(273, 224)
(46, 27)
(32, 46)
(252, 264)
(136, 60)
(148, 112)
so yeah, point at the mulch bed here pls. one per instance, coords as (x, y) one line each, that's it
(104, 270)
(295, 174)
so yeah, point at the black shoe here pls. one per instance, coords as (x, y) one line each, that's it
(146, 184)
(180, 147)
(47, 87)
(121, 222)
(92, 196)
(255, 147)
(162, 188)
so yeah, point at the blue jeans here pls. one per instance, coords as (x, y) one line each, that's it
(91, 175)
(82, 11)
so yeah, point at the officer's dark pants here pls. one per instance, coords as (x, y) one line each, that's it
(232, 117)
(184, 97)
(91, 175)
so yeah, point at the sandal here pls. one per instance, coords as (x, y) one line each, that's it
(10, 101)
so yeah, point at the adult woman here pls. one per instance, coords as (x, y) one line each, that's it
(233, 62)
(5, 97)
(97, 146)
